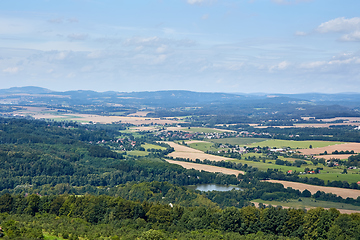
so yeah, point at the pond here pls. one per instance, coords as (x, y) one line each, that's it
(213, 187)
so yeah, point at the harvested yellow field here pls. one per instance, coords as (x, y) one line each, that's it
(343, 192)
(208, 168)
(100, 119)
(193, 154)
(332, 148)
(333, 156)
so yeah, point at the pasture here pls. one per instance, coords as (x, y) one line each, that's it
(203, 146)
(353, 176)
(238, 141)
(137, 153)
(152, 146)
(308, 203)
(293, 144)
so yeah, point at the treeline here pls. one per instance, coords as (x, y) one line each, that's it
(164, 192)
(94, 217)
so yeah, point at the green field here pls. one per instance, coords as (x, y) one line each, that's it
(203, 146)
(264, 166)
(129, 131)
(293, 144)
(152, 146)
(137, 153)
(238, 141)
(351, 177)
(308, 203)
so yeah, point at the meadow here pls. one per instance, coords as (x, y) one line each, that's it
(276, 143)
(238, 141)
(203, 146)
(308, 203)
(353, 176)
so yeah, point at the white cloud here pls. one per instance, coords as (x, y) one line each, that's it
(340, 63)
(351, 28)
(280, 66)
(299, 33)
(157, 42)
(229, 66)
(61, 55)
(11, 70)
(351, 37)
(340, 25)
(161, 49)
(312, 65)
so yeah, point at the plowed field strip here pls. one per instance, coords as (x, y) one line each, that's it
(207, 168)
(332, 148)
(343, 192)
(193, 154)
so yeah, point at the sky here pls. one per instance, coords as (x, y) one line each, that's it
(242, 46)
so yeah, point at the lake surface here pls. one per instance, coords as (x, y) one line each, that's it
(213, 187)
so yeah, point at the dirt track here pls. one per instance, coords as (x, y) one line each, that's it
(343, 192)
(208, 168)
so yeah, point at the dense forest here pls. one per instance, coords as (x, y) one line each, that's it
(97, 217)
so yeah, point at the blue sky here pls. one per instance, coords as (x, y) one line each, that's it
(244, 46)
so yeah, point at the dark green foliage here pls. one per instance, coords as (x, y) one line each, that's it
(93, 217)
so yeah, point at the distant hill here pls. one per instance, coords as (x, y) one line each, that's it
(181, 103)
(25, 90)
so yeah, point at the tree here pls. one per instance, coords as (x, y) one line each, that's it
(306, 193)
(230, 220)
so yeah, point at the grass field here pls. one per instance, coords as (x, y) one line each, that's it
(152, 146)
(264, 166)
(351, 177)
(309, 203)
(137, 153)
(238, 141)
(203, 146)
(293, 144)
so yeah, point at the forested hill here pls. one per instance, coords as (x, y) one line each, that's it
(39, 153)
